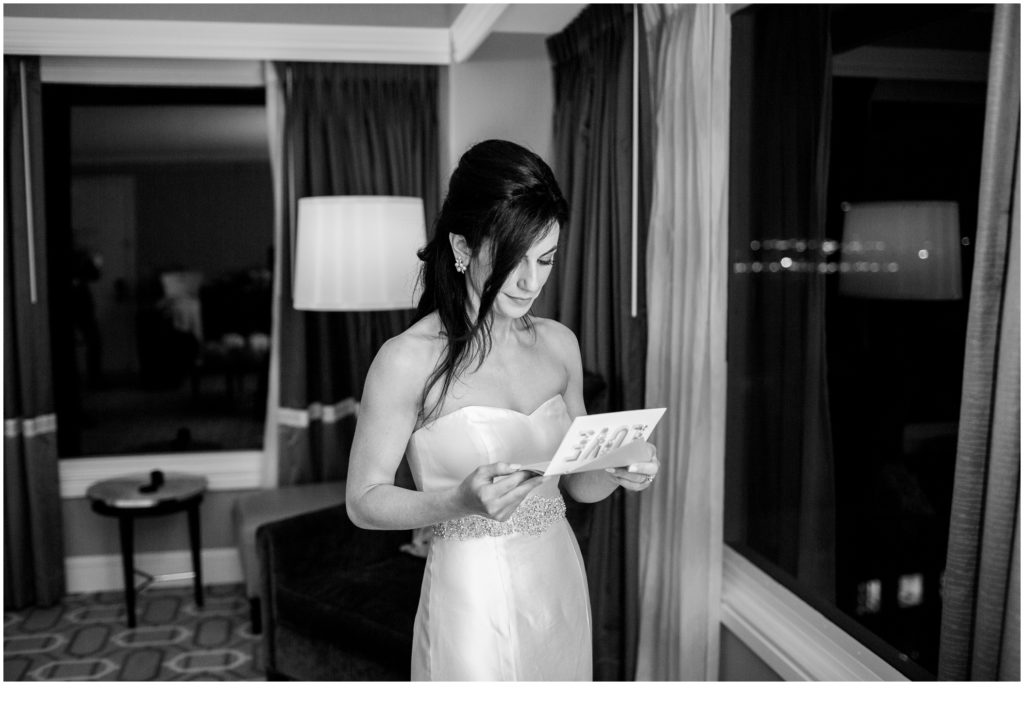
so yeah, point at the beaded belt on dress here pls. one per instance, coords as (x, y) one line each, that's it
(532, 517)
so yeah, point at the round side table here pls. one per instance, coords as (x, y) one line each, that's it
(128, 498)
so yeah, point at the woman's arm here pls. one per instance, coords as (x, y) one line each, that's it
(588, 487)
(387, 417)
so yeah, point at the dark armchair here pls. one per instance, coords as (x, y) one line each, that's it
(338, 602)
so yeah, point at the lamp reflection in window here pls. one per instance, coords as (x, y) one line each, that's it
(869, 597)
(901, 250)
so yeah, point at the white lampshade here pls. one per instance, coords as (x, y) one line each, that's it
(901, 250)
(358, 253)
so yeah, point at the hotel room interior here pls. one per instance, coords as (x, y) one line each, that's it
(794, 226)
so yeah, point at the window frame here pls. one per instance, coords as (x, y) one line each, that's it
(225, 470)
(792, 637)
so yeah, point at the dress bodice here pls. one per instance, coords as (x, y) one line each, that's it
(500, 601)
(444, 452)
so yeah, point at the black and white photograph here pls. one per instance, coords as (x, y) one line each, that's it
(524, 342)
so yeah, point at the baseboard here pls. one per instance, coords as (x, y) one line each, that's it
(92, 573)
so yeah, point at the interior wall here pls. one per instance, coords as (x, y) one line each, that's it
(89, 533)
(504, 91)
(738, 663)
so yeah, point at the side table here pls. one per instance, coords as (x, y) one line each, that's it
(155, 494)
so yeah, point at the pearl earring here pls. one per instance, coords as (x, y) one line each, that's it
(460, 264)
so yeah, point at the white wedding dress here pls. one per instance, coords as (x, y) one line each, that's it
(500, 601)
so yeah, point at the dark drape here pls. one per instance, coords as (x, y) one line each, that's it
(778, 399)
(980, 634)
(590, 290)
(349, 129)
(33, 530)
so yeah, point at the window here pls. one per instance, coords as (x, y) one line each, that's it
(160, 221)
(843, 399)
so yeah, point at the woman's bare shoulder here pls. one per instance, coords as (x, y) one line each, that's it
(412, 354)
(559, 338)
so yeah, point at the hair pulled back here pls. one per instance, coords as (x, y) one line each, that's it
(500, 192)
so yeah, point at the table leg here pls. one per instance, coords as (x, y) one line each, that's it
(128, 565)
(193, 535)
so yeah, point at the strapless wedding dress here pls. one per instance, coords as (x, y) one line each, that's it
(501, 601)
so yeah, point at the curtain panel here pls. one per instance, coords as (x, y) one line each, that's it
(590, 289)
(346, 129)
(33, 529)
(980, 633)
(780, 467)
(687, 263)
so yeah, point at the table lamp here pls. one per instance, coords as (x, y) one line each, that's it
(358, 253)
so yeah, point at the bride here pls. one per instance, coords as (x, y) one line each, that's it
(472, 391)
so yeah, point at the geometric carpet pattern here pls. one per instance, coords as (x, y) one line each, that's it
(86, 638)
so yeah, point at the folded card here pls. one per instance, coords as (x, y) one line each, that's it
(599, 441)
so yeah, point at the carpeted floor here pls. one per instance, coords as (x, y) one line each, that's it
(85, 638)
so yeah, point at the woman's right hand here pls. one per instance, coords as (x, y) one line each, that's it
(496, 490)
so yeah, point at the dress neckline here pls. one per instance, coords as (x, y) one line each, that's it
(479, 407)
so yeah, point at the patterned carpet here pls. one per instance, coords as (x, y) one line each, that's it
(85, 638)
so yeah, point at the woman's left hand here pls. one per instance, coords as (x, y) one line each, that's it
(638, 476)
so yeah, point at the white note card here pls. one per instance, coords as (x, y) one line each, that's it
(599, 441)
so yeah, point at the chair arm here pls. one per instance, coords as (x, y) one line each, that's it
(306, 545)
(324, 538)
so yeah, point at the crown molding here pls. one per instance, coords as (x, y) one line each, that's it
(114, 38)
(471, 27)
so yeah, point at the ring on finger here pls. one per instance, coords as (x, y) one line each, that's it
(650, 478)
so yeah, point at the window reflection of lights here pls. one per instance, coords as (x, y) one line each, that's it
(805, 256)
(910, 591)
(869, 597)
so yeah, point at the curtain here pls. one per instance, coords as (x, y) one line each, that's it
(980, 633)
(590, 292)
(779, 456)
(347, 129)
(681, 516)
(275, 140)
(33, 529)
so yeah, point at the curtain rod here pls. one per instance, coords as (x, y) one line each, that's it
(636, 159)
(30, 225)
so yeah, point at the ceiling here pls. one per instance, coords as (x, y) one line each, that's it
(110, 134)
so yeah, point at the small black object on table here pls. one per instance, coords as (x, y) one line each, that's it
(155, 494)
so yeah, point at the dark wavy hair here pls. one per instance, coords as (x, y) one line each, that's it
(502, 192)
